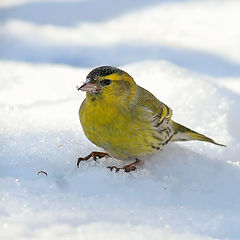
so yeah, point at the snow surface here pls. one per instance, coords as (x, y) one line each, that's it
(185, 52)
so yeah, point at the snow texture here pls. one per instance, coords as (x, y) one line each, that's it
(187, 53)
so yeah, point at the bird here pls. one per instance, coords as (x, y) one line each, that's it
(126, 120)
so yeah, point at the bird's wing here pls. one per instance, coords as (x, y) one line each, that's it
(159, 109)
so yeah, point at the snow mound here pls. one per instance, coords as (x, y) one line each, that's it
(185, 52)
(188, 190)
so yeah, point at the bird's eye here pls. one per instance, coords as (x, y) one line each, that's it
(105, 82)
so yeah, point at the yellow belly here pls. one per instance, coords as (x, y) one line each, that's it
(121, 133)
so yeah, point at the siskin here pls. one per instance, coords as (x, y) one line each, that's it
(126, 120)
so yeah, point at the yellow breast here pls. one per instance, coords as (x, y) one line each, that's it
(124, 133)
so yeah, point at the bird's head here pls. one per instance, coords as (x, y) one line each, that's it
(109, 83)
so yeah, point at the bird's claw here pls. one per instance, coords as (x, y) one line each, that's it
(128, 168)
(80, 159)
(94, 155)
(114, 168)
(125, 168)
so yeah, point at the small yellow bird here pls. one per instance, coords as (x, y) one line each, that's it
(126, 120)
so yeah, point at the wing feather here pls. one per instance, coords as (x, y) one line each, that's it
(160, 110)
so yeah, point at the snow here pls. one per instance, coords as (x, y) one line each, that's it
(185, 52)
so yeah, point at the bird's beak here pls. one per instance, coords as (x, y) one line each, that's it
(89, 87)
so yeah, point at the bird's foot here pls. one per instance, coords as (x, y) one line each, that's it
(127, 168)
(94, 155)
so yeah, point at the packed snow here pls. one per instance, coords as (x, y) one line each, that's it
(185, 52)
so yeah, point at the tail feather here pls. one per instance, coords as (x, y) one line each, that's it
(182, 133)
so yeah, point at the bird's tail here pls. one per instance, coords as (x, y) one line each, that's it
(182, 133)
